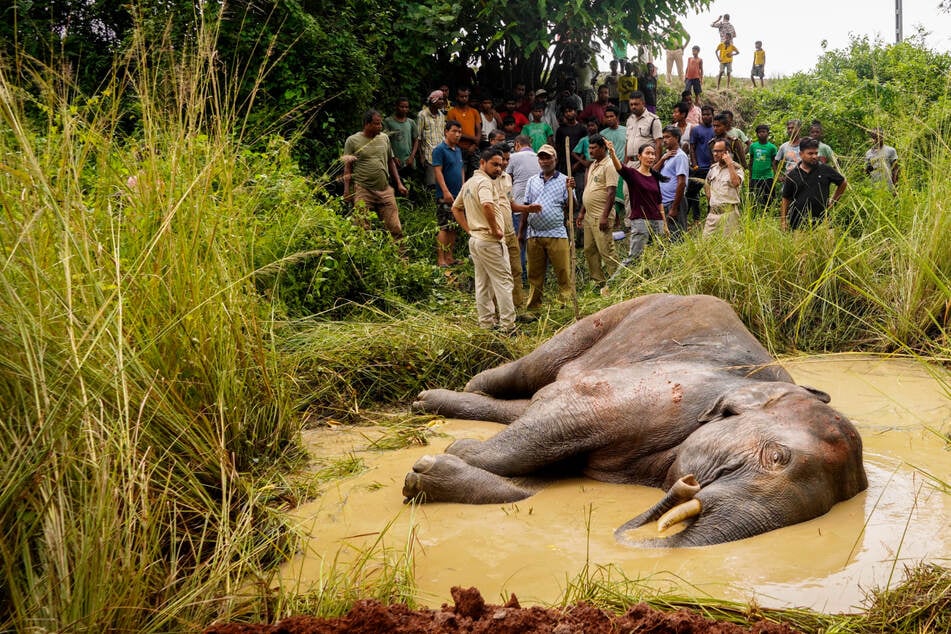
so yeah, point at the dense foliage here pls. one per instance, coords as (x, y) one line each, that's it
(308, 68)
(902, 88)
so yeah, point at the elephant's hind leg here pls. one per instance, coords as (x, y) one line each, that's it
(447, 478)
(470, 406)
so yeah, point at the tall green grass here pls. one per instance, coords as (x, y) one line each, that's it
(875, 277)
(139, 386)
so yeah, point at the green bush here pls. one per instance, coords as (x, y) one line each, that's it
(311, 258)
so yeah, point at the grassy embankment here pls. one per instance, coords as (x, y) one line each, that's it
(153, 382)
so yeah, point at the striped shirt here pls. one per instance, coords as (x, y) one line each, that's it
(432, 132)
(551, 194)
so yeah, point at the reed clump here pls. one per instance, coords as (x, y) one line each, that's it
(143, 407)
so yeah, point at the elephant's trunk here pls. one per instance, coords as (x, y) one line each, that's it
(682, 491)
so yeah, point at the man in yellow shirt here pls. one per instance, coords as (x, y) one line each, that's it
(725, 53)
(759, 65)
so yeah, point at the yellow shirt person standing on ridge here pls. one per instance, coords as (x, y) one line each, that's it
(759, 66)
(725, 53)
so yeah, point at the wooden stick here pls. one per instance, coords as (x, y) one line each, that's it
(571, 231)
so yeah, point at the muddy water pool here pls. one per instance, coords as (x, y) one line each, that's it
(534, 547)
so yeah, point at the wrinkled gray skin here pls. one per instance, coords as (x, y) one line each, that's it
(663, 391)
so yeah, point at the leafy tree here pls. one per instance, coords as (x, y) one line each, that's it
(538, 41)
(313, 66)
(79, 38)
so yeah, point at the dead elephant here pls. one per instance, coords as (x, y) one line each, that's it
(663, 391)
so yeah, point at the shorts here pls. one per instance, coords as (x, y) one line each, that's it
(444, 218)
(758, 70)
(694, 84)
(726, 67)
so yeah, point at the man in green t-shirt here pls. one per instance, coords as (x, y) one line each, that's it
(368, 162)
(404, 136)
(538, 131)
(826, 155)
(761, 166)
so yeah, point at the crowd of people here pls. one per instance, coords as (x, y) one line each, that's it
(506, 172)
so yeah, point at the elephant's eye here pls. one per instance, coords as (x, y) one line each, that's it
(775, 456)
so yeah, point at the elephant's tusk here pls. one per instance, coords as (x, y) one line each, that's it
(681, 512)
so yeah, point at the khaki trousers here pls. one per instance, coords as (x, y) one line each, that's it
(384, 204)
(724, 219)
(515, 263)
(541, 251)
(493, 283)
(599, 250)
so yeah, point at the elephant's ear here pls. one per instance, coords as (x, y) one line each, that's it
(721, 408)
(819, 394)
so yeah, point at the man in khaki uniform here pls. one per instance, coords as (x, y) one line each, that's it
(723, 191)
(597, 212)
(504, 184)
(478, 212)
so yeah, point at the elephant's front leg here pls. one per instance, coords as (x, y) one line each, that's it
(448, 478)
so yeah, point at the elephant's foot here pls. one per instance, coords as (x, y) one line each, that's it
(432, 401)
(469, 406)
(447, 478)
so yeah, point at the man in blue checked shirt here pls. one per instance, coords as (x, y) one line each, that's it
(546, 195)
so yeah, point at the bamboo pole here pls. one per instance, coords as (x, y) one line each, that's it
(573, 256)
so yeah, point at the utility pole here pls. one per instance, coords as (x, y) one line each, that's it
(898, 34)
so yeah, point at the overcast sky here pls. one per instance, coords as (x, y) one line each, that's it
(792, 32)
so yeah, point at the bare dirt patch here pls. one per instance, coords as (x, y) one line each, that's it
(470, 613)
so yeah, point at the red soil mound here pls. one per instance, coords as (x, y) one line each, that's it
(471, 614)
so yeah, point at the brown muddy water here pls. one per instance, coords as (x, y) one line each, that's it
(534, 547)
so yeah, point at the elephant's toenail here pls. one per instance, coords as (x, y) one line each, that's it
(424, 464)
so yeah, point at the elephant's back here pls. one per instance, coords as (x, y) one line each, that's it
(694, 328)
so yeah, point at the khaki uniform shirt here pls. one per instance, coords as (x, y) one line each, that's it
(503, 185)
(722, 191)
(477, 191)
(640, 130)
(601, 176)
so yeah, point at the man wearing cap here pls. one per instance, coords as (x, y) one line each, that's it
(478, 211)
(546, 195)
(432, 125)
